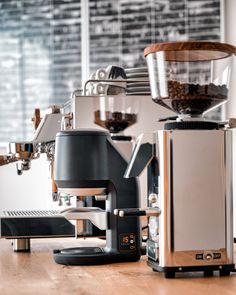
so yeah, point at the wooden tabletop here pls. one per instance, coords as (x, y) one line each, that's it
(36, 273)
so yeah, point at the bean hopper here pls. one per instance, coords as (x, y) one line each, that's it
(189, 161)
(114, 110)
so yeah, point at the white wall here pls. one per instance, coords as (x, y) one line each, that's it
(28, 191)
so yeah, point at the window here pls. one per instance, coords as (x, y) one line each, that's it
(39, 59)
(40, 46)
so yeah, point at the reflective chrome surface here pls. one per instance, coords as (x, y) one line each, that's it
(83, 192)
(195, 197)
(23, 150)
(21, 245)
(96, 215)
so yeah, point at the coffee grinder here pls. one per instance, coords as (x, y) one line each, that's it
(189, 161)
(90, 165)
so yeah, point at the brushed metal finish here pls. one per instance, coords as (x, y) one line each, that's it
(83, 192)
(96, 215)
(195, 196)
(29, 213)
(21, 245)
(229, 195)
(23, 150)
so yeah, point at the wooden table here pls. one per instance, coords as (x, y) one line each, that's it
(36, 273)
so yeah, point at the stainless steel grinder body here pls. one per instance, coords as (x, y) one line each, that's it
(195, 228)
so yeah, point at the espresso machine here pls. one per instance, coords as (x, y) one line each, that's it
(189, 161)
(112, 110)
(23, 225)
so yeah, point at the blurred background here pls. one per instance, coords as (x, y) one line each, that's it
(48, 48)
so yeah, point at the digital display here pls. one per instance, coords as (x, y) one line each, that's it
(127, 242)
(125, 239)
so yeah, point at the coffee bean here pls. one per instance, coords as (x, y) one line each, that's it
(189, 98)
(115, 121)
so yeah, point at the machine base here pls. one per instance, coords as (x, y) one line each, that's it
(169, 272)
(91, 256)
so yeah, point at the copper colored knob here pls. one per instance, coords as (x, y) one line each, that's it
(36, 119)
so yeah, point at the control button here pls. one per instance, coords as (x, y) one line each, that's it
(199, 256)
(216, 255)
(153, 198)
(208, 256)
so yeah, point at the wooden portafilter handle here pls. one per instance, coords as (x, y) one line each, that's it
(36, 119)
(54, 186)
(2, 160)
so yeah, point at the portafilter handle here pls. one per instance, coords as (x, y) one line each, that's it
(23, 152)
(7, 159)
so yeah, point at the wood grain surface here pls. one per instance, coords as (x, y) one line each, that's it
(36, 119)
(2, 160)
(192, 51)
(36, 273)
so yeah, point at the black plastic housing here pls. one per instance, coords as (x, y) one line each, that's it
(89, 159)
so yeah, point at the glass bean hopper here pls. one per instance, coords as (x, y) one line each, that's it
(113, 109)
(189, 78)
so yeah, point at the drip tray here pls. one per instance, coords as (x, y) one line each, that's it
(30, 213)
(34, 224)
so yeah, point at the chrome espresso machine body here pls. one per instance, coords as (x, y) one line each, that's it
(189, 161)
(114, 111)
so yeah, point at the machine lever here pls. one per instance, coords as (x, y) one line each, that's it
(137, 212)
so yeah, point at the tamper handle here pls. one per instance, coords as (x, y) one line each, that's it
(54, 186)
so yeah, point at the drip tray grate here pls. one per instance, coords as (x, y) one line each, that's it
(30, 213)
(34, 223)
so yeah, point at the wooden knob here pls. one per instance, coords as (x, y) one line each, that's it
(36, 119)
(54, 186)
(192, 50)
(2, 160)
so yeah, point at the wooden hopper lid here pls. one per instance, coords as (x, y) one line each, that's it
(192, 51)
